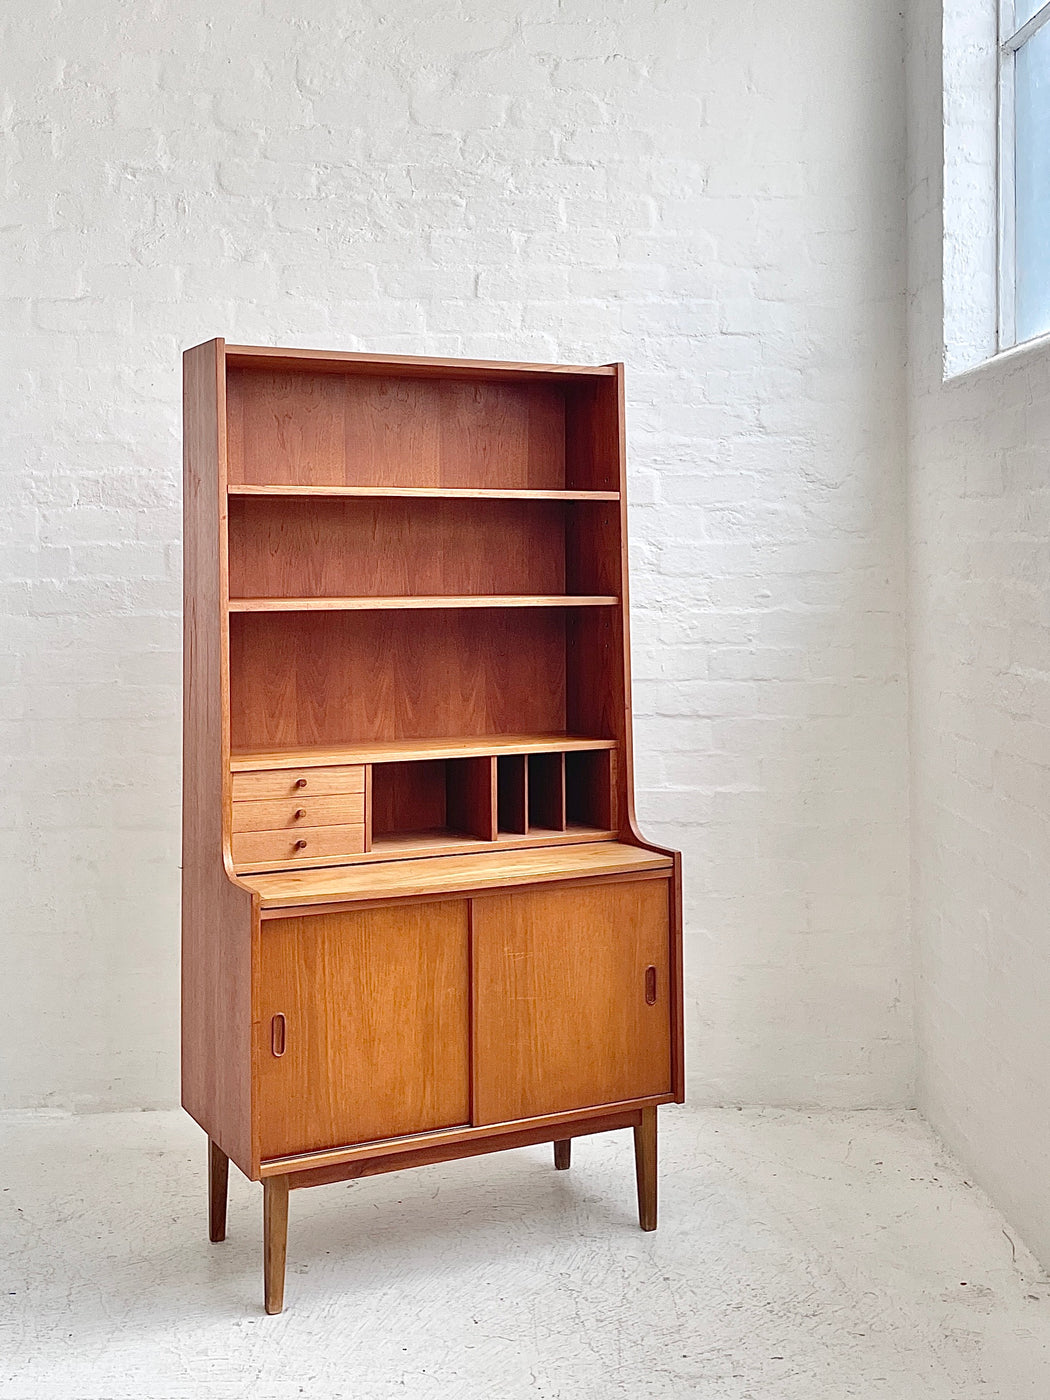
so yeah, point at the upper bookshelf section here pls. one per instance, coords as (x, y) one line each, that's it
(302, 423)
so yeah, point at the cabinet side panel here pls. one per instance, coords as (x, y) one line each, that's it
(677, 984)
(217, 915)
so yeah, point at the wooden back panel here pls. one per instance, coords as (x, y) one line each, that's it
(334, 547)
(352, 429)
(331, 678)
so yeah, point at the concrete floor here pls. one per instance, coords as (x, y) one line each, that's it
(799, 1257)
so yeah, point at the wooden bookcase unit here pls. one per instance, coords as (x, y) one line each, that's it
(419, 922)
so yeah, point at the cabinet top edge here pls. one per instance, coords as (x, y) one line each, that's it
(267, 357)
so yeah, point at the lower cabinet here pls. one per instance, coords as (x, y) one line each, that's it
(392, 1021)
(363, 1026)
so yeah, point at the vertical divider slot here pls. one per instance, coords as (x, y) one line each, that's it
(590, 787)
(546, 788)
(512, 784)
(470, 796)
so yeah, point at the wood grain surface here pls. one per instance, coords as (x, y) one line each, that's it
(406, 750)
(406, 366)
(217, 915)
(560, 1016)
(289, 548)
(443, 874)
(452, 493)
(336, 678)
(318, 429)
(376, 1011)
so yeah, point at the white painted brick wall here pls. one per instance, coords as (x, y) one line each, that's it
(711, 193)
(979, 508)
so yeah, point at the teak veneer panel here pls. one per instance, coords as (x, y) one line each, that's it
(323, 678)
(346, 362)
(281, 548)
(299, 779)
(303, 846)
(467, 493)
(320, 429)
(403, 751)
(470, 788)
(436, 601)
(405, 845)
(376, 1032)
(560, 1011)
(291, 813)
(441, 874)
(408, 797)
(217, 912)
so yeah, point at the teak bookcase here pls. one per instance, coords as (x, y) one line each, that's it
(419, 922)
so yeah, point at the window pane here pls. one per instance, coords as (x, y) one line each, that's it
(1023, 12)
(1032, 185)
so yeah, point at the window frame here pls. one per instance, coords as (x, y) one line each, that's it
(1012, 38)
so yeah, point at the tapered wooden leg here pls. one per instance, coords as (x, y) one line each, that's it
(645, 1168)
(218, 1179)
(563, 1154)
(275, 1240)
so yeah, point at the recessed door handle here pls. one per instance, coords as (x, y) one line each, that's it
(278, 1034)
(650, 985)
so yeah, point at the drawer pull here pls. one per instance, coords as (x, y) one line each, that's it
(300, 845)
(300, 782)
(650, 986)
(278, 1035)
(300, 812)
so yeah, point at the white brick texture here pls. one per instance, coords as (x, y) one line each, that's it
(710, 192)
(979, 511)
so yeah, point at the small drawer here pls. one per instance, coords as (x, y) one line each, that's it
(298, 847)
(345, 809)
(272, 783)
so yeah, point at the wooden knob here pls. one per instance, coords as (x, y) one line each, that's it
(300, 812)
(300, 845)
(300, 782)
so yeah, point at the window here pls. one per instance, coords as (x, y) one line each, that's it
(1024, 170)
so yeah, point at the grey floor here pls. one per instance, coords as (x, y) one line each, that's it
(817, 1256)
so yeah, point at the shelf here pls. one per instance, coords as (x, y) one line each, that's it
(455, 493)
(448, 874)
(441, 841)
(412, 750)
(430, 601)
